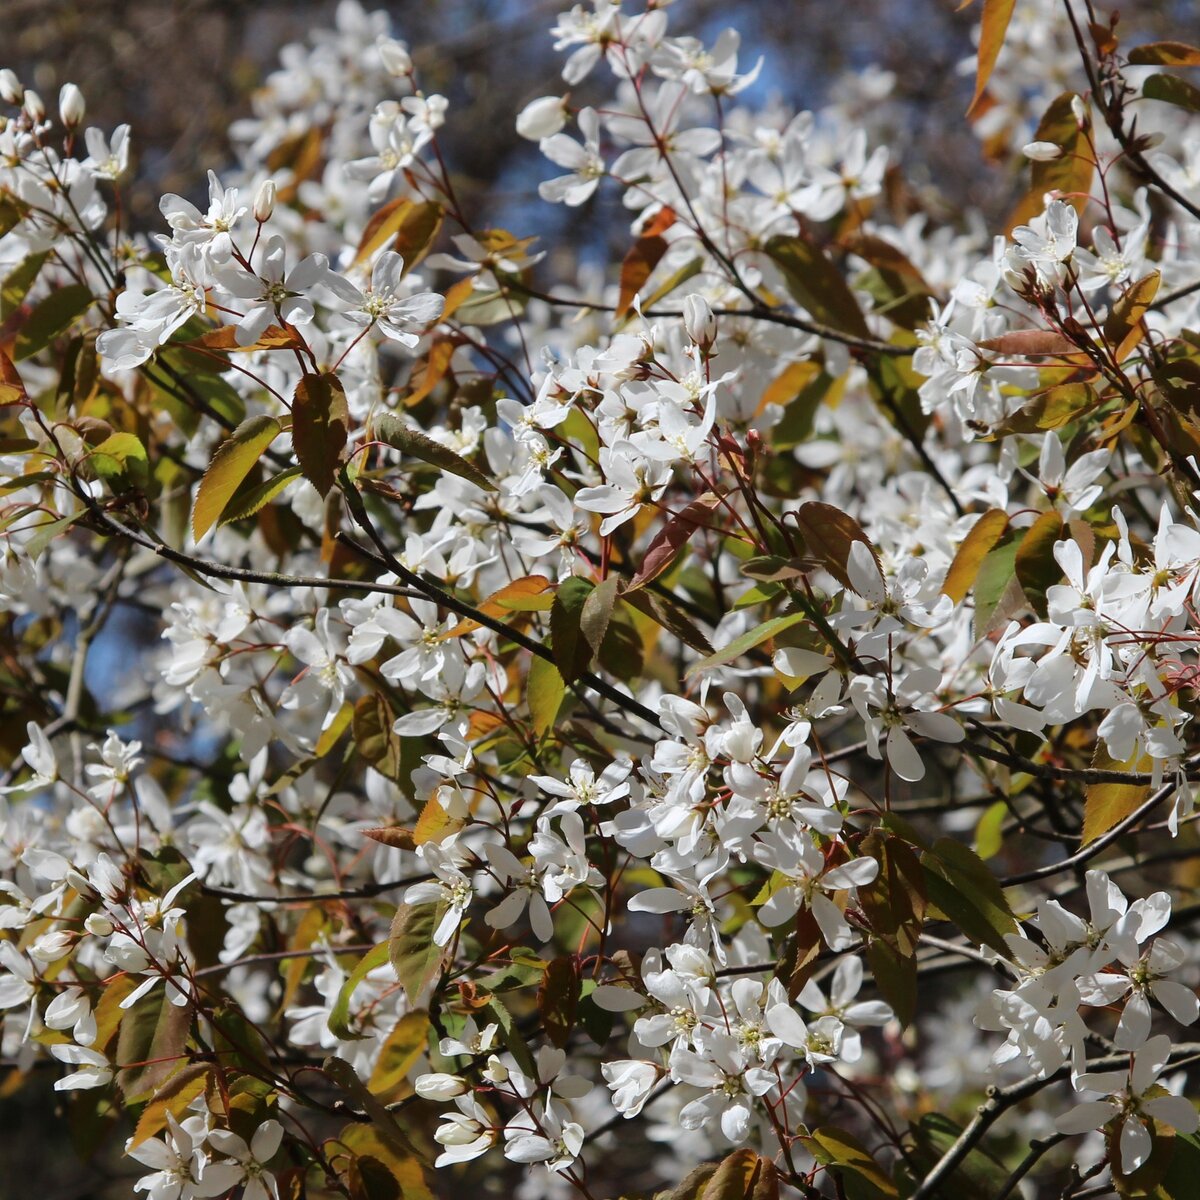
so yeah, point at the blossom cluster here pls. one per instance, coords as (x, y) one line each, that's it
(614, 699)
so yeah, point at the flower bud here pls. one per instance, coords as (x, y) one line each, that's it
(1080, 112)
(440, 1086)
(395, 57)
(264, 201)
(542, 118)
(34, 107)
(98, 925)
(11, 91)
(71, 105)
(699, 321)
(1042, 151)
(50, 947)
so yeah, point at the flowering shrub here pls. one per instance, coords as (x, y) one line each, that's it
(737, 710)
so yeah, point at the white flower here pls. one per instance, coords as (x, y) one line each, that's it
(1129, 1104)
(382, 303)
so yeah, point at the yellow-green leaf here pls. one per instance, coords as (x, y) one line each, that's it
(412, 441)
(984, 534)
(1108, 804)
(234, 458)
(996, 16)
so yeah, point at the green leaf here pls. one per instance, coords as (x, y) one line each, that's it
(843, 1152)
(339, 1015)
(816, 284)
(232, 462)
(409, 225)
(572, 653)
(1037, 568)
(1165, 54)
(597, 612)
(120, 461)
(959, 883)
(409, 440)
(544, 690)
(1172, 90)
(61, 308)
(320, 428)
(372, 729)
(248, 500)
(18, 282)
(989, 838)
(415, 957)
(978, 1177)
(997, 588)
(747, 641)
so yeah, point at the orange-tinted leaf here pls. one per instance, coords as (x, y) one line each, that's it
(643, 256)
(996, 16)
(1125, 327)
(1165, 54)
(671, 539)
(984, 534)
(1070, 174)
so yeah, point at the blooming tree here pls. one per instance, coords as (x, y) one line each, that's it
(737, 707)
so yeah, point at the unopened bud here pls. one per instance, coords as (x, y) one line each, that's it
(395, 57)
(1080, 112)
(699, 321)
(11, 91)
(542, 118)
(264, 201)
(34, 108)
(98, 925)
(440, 1086)
(1042, 151)
(71, 105)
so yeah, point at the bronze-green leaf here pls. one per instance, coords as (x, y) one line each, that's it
(234, 458)
(409, 440)
(320, 428)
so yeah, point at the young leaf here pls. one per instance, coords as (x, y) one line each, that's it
(964, 570)
(1037, 568)
(643, 256)
(1165, 54)
(1170, 89)
(747, 641)
(320, 428)
(572, 653)
(410, 440)
(994, 25)
(52, 315)
(816, 284)
(828, 535)
(1108, 804)
(558, 999)
(234, 458)
(415, 957)
(339, 1015)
